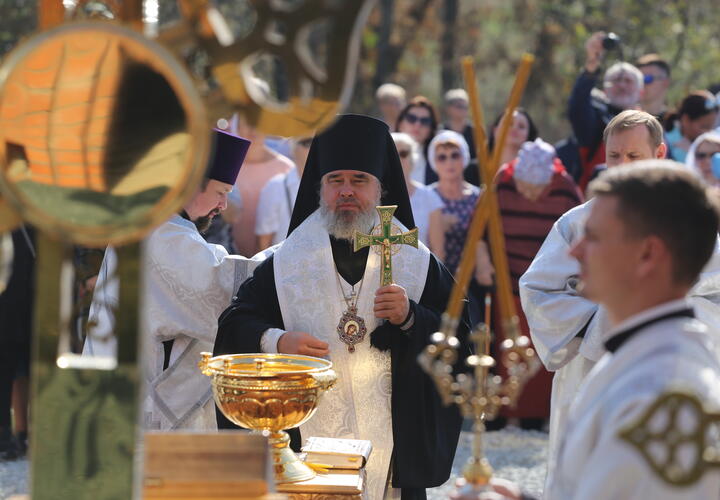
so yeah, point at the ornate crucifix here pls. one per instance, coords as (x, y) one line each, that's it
(386, 240)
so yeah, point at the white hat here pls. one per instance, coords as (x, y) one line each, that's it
(449, 136)
(535, 162)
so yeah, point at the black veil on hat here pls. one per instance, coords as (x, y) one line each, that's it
(353, 142)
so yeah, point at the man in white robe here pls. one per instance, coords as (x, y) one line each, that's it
(567, 329)
(652, 228)
(186, 284)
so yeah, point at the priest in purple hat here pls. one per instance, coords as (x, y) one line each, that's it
(187, 283)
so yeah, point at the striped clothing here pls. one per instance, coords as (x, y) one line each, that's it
(526, 223)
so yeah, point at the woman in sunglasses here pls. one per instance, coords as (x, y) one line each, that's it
(449, 155)
(697, 114)
(425, 202)
(419, 120)
(700, 157)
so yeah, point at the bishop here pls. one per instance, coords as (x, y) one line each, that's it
(300, 300)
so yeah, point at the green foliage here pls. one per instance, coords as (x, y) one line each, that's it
(497, 32)
(18, 18)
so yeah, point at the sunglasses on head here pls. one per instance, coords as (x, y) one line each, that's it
(425, 121)
(455, 155)
(404, 153)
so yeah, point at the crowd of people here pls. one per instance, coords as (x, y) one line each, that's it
(536, 184)
(617, 117)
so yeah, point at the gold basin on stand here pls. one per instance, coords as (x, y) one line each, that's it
(269, 393)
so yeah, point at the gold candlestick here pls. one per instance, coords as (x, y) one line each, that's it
(482, 396)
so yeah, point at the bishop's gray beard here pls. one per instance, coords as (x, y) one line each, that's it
(342, 224)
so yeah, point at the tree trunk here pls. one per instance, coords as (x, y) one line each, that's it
(389, 53)
(449, 69)
(384, 48)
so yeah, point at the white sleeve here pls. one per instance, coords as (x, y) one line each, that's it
(708, 283)
(555, 311)
(269, 340)
(189, 283)
(100, 339)
(267, 219)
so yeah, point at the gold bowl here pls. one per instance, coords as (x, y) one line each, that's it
(269, 393)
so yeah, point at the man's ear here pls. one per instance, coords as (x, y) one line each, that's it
(653, 254)
(661, 151)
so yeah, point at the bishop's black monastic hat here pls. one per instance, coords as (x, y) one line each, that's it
(353, 142)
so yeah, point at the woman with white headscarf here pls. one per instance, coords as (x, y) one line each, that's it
(700, 157)
(448, 156)
(533, 191)
(426, 204)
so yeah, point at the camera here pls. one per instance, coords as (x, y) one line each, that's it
(611, 41)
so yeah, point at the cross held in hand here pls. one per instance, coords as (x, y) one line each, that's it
(386, 240)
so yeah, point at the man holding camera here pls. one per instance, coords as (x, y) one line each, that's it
(590, 110)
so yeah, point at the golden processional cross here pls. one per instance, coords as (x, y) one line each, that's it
(386, 240)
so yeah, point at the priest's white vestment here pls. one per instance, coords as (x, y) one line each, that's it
(186, 283)
(310, 298)
(556, 314)
(676, 353)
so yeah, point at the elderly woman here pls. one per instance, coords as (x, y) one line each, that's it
(533, 190)
(699, 157)
(425, 202)
(448, 155)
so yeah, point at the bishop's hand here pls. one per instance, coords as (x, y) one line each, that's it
(302, 343)
(392, 304)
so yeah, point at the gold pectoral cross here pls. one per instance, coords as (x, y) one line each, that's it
(386, 240)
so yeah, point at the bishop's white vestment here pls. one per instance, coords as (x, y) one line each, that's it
(382, 393)
(568, 330)
(186, 283)
(311, 301)
(673, 353)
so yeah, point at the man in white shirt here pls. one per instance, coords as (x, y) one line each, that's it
(651, 230)
(277, 199)
(567, 327)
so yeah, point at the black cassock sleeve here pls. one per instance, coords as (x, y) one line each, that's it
(425, 432)
(253, 310)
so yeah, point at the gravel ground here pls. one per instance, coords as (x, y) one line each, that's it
(13, 477)
(514, 454)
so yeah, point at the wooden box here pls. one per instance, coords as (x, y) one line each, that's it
(217, 466)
